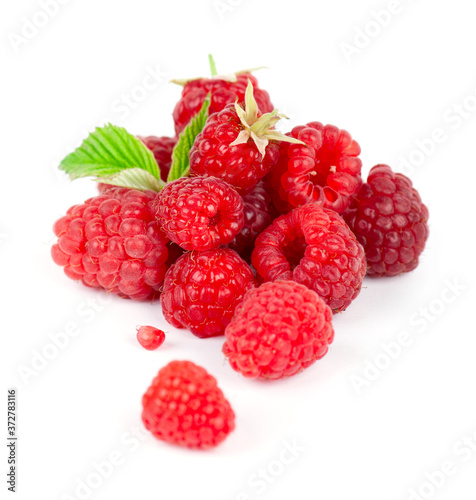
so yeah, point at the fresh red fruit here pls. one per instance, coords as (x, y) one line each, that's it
(162, 148)
(202, 290)
(184, 406)
(325, 170)
(238, 145)
(200, 213)
(312, 245)
(150, 338)
(113, 241)
(278, 330)
(223, 90)
(258, 215)
(390, 221)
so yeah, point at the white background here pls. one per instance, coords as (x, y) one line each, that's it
(375, 442)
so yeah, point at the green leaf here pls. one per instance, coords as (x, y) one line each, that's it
(108, 151)
(134, 178)
(180, 155)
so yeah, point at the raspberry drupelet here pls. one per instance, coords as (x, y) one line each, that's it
(202, 290)
(149, 337)
(313, 245)
(113, 241)
(390, 221)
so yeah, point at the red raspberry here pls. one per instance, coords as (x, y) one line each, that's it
(327, 170)
(258, 216)
(185, 406)
(238, 145)
(278, 330)
(223, 92)
(313, 246)
(162, 148)
(202, 290)
(200, 213)
(113, 241)
(390, 220)
(149, 337)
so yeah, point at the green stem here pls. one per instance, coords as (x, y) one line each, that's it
(213, 68)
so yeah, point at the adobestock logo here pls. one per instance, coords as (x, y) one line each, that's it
(31, 27)
(59, 341)
(363, 35)
(394, 349)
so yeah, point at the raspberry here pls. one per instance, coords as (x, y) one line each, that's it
(113, 241)
(238, 145)
(312, 245)
(150, 338)
(258, 216)
(223, 92)
(390, 221)
(200, 213)
(185, 406)
(326, 171)
(162, 148)
(278, 330)
(202, 290)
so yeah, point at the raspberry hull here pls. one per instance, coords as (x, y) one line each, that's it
(390, 221)
(278, 330)
(113, 241)
(325, 170)
(185, 407)
(312, 245)
(202, 290)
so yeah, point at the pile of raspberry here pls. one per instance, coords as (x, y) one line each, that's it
(263, 239)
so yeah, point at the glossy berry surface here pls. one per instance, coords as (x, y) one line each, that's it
(278, 330)
(184, 406)
(390, 221)
(162, 148)
(200, 213)
(202, 290)
(240, 165)
(222, 93)
(326, 170)
(150, 338)
(113, 241)
(258, 215)
(313, 245)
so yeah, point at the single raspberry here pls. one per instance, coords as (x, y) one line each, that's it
(150, 338)
(258, 215)
(313, 245)
(325, 170)
(200, 213)
(278, 330)
(162, 148)
(223, 89)
(202, 290)
(113, 241)
(185, 406)
(238, 145)
(390, 221)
